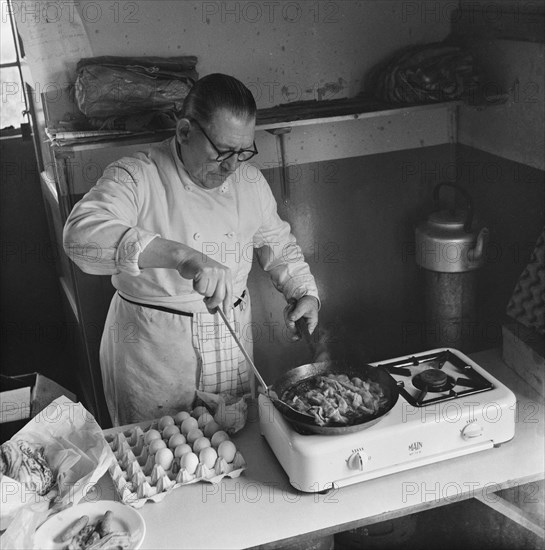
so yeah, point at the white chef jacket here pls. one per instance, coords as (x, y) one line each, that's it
(151, 361)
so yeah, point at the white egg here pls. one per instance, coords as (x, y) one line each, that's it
(197, 411)
(175, 440)
(170, 430)
(218, 437)
(211, 428)
(150, 435)
(189, 461)
(165, 421)
(181, 450)
(193, 435)
(204, 419)
(155, 445)
(164, 458)
(227, 450)
(181, 416)
(208, 457)
(189, 424)
(201, 444)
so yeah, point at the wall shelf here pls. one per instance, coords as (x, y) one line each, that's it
(318, 112)
(429, 124)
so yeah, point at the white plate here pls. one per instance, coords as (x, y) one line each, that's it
(125, 518)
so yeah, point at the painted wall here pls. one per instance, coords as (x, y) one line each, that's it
(283, 50)
(354, 219)
(515, 129)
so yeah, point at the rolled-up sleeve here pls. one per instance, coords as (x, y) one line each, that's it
(101, 234)
(278, 252)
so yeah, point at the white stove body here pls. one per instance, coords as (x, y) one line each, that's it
(404, 438)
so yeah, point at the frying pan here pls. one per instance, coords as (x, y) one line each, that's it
(306, 424)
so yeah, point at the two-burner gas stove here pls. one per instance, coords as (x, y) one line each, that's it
(448, 407)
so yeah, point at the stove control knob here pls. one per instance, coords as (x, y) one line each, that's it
(358, 460)
(470, 431)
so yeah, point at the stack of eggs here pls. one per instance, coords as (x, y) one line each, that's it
(173, 451)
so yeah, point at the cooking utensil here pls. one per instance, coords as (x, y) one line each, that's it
(306, 423)
(282, 406)
(302, 327)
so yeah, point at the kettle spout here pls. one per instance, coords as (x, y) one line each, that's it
(475, 254)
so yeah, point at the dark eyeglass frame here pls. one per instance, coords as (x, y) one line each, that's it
(247, 154)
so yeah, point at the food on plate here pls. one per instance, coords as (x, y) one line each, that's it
(26, 463)
(336, 399)
(74, 529)
(82, 535)
(105, 525)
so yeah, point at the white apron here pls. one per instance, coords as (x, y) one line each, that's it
(153, 362)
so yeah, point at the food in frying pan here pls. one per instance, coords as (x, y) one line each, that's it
(336, 399)
(26, 463)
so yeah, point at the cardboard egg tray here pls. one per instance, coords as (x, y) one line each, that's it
(138, 478)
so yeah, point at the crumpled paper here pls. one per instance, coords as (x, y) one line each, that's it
(79, 456)
(230, 412)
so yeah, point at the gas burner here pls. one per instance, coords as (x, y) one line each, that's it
(430, 378)
(423, 427)
(433, 380)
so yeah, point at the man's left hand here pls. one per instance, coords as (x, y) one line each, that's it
(306, 307)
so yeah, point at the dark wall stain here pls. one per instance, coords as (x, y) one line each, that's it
(331, 89)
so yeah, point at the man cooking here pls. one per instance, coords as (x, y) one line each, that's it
(174, 225)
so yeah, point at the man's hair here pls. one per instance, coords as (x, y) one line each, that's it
(218, 91)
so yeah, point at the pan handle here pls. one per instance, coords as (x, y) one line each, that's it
(302, 328)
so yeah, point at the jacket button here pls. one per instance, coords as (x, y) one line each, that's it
(231, 234)
(197, 236)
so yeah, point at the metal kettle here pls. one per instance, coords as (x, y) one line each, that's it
(449, 241)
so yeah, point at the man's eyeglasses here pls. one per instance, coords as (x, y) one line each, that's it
(242, 155)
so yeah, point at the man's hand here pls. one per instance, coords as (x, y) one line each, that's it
(210, 278)
(306, 307)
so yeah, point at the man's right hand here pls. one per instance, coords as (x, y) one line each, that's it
(210, 278)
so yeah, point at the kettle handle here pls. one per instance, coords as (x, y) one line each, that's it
(469, 217)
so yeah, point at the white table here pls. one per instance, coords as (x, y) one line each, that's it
(260, 509)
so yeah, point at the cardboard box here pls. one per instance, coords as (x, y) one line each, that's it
(23, 397)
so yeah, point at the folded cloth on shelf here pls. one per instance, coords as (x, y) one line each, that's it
(111, 86)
